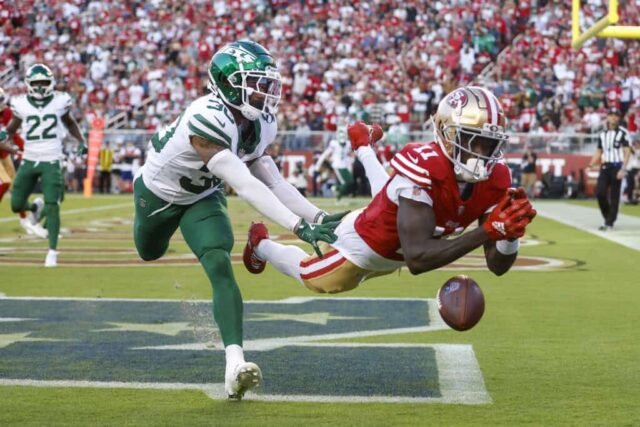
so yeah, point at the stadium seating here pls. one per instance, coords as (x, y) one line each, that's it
(138, 63)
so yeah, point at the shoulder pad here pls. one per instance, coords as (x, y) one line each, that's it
(421, 163)
(211, 119)
(65, 100)
(500, 178)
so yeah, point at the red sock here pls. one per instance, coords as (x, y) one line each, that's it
(22, 214)
(3, 189)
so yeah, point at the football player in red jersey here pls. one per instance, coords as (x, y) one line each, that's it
(7, 171)
(435, 190)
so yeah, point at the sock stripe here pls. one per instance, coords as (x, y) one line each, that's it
(315, 272)
(315, 260)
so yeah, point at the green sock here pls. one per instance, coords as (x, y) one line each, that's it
(227, 300)
(52, 211)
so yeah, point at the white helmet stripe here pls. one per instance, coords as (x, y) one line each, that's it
(492, 109)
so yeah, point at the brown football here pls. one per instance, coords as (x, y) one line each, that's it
(461, 303)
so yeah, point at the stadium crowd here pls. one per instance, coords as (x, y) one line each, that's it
(382, 61)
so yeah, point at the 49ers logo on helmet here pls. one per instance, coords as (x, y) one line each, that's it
(458, 99)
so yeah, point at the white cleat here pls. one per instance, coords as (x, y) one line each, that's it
(38, 213)
(52, 258)
(245, 376)
(27, 225)
(40, 231)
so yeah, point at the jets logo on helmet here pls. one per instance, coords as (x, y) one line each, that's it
(241, 54)
(40, 81)
(469, 124)
(246, 77)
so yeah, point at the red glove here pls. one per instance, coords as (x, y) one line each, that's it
(509, 218)
(520, 193)
(362, 135)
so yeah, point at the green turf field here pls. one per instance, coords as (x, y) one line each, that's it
(558, 346)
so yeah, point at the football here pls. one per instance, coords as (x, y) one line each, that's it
(461, 303)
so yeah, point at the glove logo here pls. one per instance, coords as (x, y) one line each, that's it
(499, 227)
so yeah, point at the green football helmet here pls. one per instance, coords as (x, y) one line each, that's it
(246, 77)
(40, 81)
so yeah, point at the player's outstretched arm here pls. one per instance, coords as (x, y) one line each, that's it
(422, 252)
(416, 222)
(265, 169)
(361, 136)
(225, 165)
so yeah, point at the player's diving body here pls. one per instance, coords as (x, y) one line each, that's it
(221, 137)
(46, 116)
(339, 151)
(435, 190)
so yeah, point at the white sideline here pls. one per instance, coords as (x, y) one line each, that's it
(77, 211)
(626, 231)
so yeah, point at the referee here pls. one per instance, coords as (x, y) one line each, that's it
(613, 154)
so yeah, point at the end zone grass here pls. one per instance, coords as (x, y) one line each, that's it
(555, 348)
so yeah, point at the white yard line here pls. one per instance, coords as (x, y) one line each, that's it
(77, 211)
(626, 231)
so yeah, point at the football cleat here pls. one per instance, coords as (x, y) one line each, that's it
(27, 225)
(245, 376)
(39, 231)
(257, 232)
(52, 258)
(38, 212)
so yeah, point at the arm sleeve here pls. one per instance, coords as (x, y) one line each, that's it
(376, 174)
(266, 171)
(230, 168)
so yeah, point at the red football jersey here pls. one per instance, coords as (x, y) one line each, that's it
(5, 118)
(426, 166)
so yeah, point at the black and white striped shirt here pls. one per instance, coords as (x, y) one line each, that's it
(611, 143)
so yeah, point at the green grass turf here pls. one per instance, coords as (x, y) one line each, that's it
(633, 210)
(555, 348)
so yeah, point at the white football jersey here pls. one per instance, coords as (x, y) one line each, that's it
(42, 127)
(340, 154)
(173, 170)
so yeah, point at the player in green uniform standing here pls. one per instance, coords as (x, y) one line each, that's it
(339, 151)
(46, 117)
(222, 136)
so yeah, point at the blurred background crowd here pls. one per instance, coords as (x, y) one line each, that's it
(385, 61)
(139, 63)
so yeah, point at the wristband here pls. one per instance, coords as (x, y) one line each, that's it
(319, 217)
(505, 247)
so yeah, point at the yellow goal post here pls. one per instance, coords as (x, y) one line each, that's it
(604, 28)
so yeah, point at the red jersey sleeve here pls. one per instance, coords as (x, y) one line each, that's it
(420, 163)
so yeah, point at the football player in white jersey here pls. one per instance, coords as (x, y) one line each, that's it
(339, 151)
(46, 116)
(221, 137)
